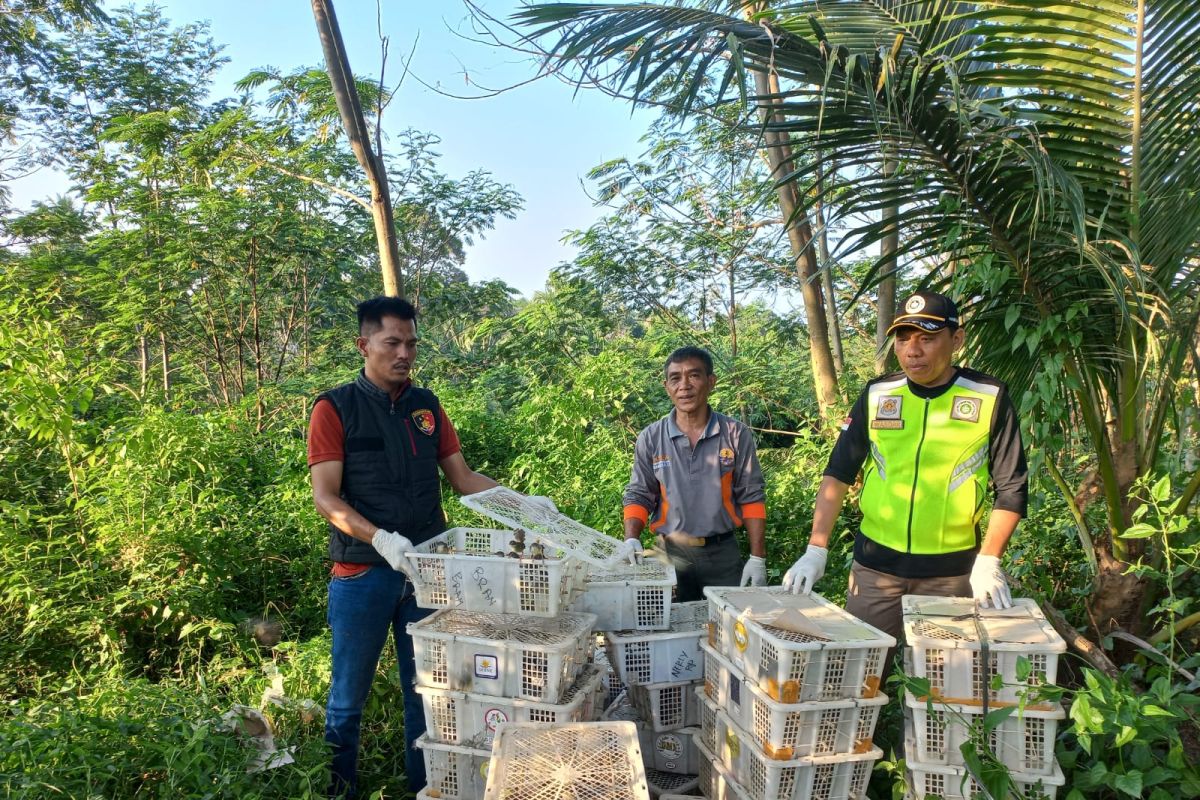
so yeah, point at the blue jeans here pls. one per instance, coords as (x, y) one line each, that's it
(361, 610)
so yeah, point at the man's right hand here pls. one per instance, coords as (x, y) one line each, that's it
(808, 569)
(630, 549)
(392, 546)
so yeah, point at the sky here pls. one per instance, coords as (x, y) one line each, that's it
(541, 138)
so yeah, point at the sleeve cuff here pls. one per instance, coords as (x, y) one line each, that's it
(637, 512)
(754, 511)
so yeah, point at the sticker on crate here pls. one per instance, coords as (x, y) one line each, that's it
(588, 760)
(947, 638)
(487, 666)
(476, 569)
(509, 655)
(796, 648)
(629, 596)
(561, 532)
(785, 731)
(661, 656)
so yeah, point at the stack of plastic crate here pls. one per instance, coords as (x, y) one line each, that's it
(660, 670)
(977, 661)
(790, 697)
(505, 647)
(477, 670)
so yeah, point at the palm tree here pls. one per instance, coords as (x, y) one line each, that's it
(1047, 171)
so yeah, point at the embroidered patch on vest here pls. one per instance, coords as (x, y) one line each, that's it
(888, 424)
(889, 407)
(423, 419)
(725, 457)
(966, 409)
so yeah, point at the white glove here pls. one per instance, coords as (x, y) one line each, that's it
(808, 569)
(543, 501)
(392, 546)
(987, 582)
(755, 572)
(629, 549)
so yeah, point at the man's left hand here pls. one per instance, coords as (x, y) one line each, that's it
(988, 583)
(755, 572)
(543, 501)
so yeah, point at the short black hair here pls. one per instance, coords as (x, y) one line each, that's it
(687, 354)
(371, 312)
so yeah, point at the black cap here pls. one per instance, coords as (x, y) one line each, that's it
(928, 311)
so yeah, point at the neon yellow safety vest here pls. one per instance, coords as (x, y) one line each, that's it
(925, 481)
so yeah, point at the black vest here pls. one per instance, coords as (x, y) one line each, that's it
(390, 466)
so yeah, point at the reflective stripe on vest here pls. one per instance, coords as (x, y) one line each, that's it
(925, 482)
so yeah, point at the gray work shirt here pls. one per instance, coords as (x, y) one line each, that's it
(702, 491)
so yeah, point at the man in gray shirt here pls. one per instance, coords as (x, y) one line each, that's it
(695, 480)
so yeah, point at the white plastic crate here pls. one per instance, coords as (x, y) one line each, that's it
(599, 760)
(943, 635)
(510, 655)
(517, 511)
(610, 684)
(663, 784)
(459, 569)
(796, 648)
(629, 597)
(953, 783)
(661, 656)
(1023, 742)
(457, 717)
(788, 731)
(666, 706)
(742, 773)
(714, 782)
(671, 752)
(453, 771)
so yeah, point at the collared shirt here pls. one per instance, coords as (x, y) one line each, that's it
(700, 491)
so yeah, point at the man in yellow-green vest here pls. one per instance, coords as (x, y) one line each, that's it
(930, 441)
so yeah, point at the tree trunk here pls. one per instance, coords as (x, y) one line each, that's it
(143, 362)
(350, 110)
(800, 237)
(835, 331)
(166, 365)
(885, 305)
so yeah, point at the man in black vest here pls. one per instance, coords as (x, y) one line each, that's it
(374, 449)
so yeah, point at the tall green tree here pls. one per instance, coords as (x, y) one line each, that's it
(1047, 172)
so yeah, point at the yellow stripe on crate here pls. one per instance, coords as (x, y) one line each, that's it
(975, 702)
